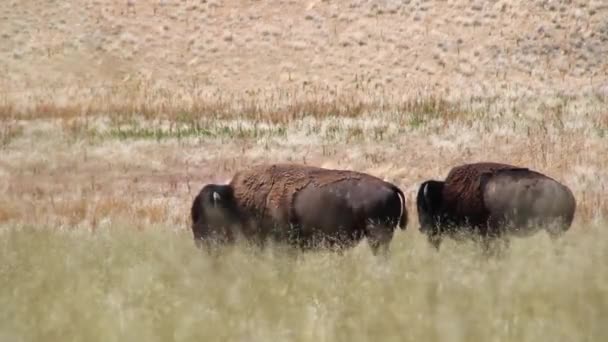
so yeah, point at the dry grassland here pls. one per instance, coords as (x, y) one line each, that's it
(113, 114)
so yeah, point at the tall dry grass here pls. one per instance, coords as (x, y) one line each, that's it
(120, 284)
(67, 156)
(94, 227)
(96, 178)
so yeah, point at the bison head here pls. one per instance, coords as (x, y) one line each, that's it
(213, 213)
(429, 204)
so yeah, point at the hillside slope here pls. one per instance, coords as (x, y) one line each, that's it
(459, 46)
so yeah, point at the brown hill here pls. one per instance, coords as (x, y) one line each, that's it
(399, 47)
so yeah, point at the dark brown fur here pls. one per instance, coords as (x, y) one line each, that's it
(457, 205)
(265, 196)
(274, 186)
(463, 194)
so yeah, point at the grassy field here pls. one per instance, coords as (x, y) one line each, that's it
(120, 284)
(95, 240)
(116, 113)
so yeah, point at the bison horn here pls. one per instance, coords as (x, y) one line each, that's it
(426, 191)
(216, 197)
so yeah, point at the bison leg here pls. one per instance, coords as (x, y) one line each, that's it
(199, 243)
(221, 237)
(555, 234)
(556, 228)
(434, 240)
(494, 241)
(494, 246)
(213, 244)
(494, 238)
(379, 237)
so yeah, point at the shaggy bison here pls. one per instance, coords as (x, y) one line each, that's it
(303, 206)
(492, 200)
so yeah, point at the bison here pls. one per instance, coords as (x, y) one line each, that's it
(302, 206)
(493, 200)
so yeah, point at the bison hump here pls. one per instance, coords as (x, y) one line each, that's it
(463, 193)
(251, 188)
(271, 188)
(289, 179)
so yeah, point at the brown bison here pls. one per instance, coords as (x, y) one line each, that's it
(303, 206)
(493, 200)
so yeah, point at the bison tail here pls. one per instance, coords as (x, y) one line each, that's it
(403, 217)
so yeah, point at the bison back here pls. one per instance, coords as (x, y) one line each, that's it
(462, 194)
(268, 189)
(528, 199)
(372, 199)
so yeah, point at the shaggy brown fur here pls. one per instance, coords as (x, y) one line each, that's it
(493, 200)
(263, 199)
(263, 187)
(463, 193)
(265, 195)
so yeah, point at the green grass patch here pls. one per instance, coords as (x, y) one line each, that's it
(9, 132)
(158, 132)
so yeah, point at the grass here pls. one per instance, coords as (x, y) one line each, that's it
(121, 284)
(97, 178)
(149, 102)
(8, 133)
(192, 130)
(94, 228)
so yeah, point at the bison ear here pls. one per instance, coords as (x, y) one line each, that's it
(216, 198)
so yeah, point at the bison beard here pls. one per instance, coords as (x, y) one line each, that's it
(309, 206)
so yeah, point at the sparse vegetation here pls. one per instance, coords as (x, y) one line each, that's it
(114, 115)
(95, 228)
